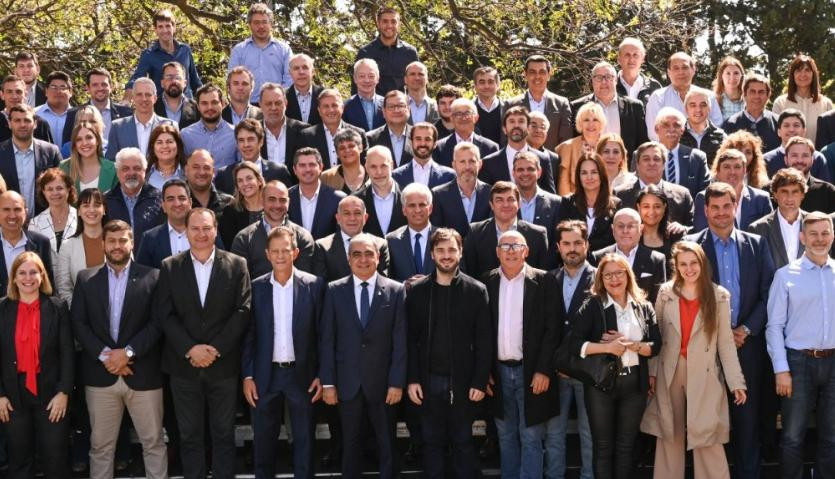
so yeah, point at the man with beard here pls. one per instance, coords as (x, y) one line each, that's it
(464, 118)
(394, 135)
(200, 170)
(173, 103)
(132, 200)
(249, 137)
(135, 130)
(239, 85)
(447, 314)
(444, 98)
(465, 199)
(423, 169)
(499, 165)
(98, 86)
(211, 132)
(820, 195)
(251, 242)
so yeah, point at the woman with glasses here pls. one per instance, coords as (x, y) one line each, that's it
(616, 321)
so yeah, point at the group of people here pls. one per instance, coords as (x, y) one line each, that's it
(390, 255)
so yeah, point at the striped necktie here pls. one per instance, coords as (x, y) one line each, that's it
(670, 169)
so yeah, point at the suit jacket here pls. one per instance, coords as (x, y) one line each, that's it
(711, 141)
(547, 214)
(693, 172)
(494, 168)
(294, 110)
(123, 134)
(251, 243)
(71, 260)
(438, 174)
(756, 203)
(402, 254)
(354, 114)
(330, 257)
(324, 219)
(826, 130)
(766, 128)
(568, 316)
(679, 200)
(139, 328)
(471, 344)
(448, 209)
(768, 227)
(372, 358)
(633, 125)
(432, 114)
(445, 148)
(270, 170)
(600, 235)
(382, 136)
(37, 243)
(373, 224)
(156, 246)
(650, 85)
(46, 156)
(42, 131)
(146, 214)
(775, 160)
(116, 111)
(558, 112)
(292, 143)
(220, 321)
(188, 114)
(755, 273)
(649, 266)
(314, 137)
(252, 112)
(56, 354)
(259, 342)
(540, 337)
(480, 246)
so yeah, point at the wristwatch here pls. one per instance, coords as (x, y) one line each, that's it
(129, 352)
(746, 329)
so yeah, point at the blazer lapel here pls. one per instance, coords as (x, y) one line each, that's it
(191, 279)
(579, 293)
(127, 303)
(528, 314)
(683, 165)
(745, 205)
(47, 319)
(776, 235)
(130, 128)
(376, 299)
(409, 174)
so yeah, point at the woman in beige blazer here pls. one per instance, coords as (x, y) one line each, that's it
(72, 257)
(689, 405)
(591, 121)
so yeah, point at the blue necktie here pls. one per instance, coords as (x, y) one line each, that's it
(670, 170)
(418, 255)
(365, 304)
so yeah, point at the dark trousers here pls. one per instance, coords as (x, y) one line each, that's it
(30, 430)
(813, 389)
(615, 418)
(190, 398)
(267, 418)
(351, 412)
(745, 419)
(444, 423)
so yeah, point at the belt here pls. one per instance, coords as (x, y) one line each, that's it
(819, 353)
(285, 365)
(627, 370)
(511, 362)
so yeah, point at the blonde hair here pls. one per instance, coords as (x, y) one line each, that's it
(46, 286)
(75, 158)
(632, 289)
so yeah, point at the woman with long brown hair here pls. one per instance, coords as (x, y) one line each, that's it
(612, 151)
(727, 86)
(689, 407)
(756, 174)
(166, 155)
(593, 202)
(247, 206)
(804, 93)
(86, 165)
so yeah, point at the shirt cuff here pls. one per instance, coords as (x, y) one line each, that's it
(583, 349)
(328, 386)
(781, 366)
(103, 354)
(248, 377)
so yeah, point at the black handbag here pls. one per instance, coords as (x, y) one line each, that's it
(597, 370)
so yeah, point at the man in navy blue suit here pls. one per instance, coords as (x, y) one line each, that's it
(280, 361)
(409, 245)
(313, 204)
(685, 166)
(363, 354)
(422, 168)
(466, 199)
(170, 237)
(365, 109)
(464, 118)
(741, 264)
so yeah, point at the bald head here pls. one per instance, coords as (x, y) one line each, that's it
(12, 214)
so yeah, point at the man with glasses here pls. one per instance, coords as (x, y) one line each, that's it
(464, 118)
(54, 111)
(395, 134)
(173, 103)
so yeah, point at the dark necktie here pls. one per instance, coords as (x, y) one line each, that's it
(418, 255)
(670, 170)
(365, 304)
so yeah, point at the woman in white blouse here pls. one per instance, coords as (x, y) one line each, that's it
(85, 248)
(55, 189)
(804, 93)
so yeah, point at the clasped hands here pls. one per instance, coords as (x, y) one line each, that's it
(202, 355)
(117, 362)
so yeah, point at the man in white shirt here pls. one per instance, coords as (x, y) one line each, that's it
(631, 82)
(781, 228)
(382, 195)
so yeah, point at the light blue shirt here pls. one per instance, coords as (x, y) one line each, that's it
(12, 251)
(384, 207)
(469, 203)
(268, 64)
(157, 179)
(220, 142)
(569, 285)
(24, 161)
(668, 96)
(107, 118)
(174, 115)
(727, 261)
(117, 284)
(130, 202)
(398, 143)
(304, 104)
(56, 121)
(528, 208)
(801, 304)
(369, 108)
(418, 110)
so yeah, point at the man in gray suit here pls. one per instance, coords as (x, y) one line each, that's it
(421, 106)
(781, 228)
(135, 130)
(537, 98)
(408, 245)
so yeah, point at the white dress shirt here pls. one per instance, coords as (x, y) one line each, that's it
(612, 113)
(423, 241)
(283, 351)
(202, 272)
(308, 207)
(628, 325)
(632, 90)
(511, 299)
(537, 105)
(384, 206)
(791, 235)
(372, 283)
(143, 133)
(178, 241)
(331, 147)
(276, 146)
(421, 173)
(629, 257)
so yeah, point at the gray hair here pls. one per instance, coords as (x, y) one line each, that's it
(146, 81)
(131, 153)
(418, 188)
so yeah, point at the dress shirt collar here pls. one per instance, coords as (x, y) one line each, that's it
(172, 229)
(493, 105)
(717, 240)
(372, 281)
(299, 93)
(424, 233)
(644, 184)
(629, 257)
(251, 41)
(112, 272)
(519, 277)
(579, 271)
(512, 227)
(783, 219)
(31, 148)
(289, 284)
(388, 197)
(315, 194)
(604, 104)
(208, 261)
(610, 301)
(157, 46)
(751, 117)
(21, 242)
(806, 263)
(425, 168)
(459, 139)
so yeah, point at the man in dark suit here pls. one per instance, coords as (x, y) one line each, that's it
(98, 86)
(363, 354)
(303, 94)
(365, 109)
(498, 166)
(251, 242)
(382, 194)
(114, 321)
(168, 238)
(444, 97)
(321, 136)
(699, 131)
(204, 306)
(537, 206)
(538, 98)
(28, 68)
(12, 219)
(239, 86)
(173, 103)
(684, 166)
(820, 195)
(13, 94)
(330, 255)
(791, 123)
(200, 169)
(124, 131)
(741, 263)
(537, 134)
(480, 244)
(23, 157)
(631, 82)
(313, 205)
(624, 115)
(465, 200)
(525, 396)
(249, 136)
(756, 89)
(133, 201)
(649, 266)
(409, 244)
(781, 228)
(825, 134)
(280, 356)
(448, 332)
(282, 135)
(395, 134)
(649, 167)
(464, 118)
(422, 168)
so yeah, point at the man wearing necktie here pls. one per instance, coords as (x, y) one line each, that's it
(363, 354)
(410, 258)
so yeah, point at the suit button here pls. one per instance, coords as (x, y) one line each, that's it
(364, 345)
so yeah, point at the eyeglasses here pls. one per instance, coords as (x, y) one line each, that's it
(512, 247)
(614, 275)
(600, 78)
(462, 114)
(172, 77)
(58, 87)
(400, 107)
